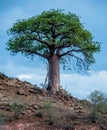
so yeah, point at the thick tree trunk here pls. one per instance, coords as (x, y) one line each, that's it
(54, 76)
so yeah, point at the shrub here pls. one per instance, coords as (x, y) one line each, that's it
(17, 108)
(51, 112)
(97, 107)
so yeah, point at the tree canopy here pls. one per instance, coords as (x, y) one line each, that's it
(54, 32)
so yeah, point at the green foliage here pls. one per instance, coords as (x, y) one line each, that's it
(2, 120)
(51, 33)
(96, 97)
(17, 108)
(97, 107)
(50, 112)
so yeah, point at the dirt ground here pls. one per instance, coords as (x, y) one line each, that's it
(27, 107)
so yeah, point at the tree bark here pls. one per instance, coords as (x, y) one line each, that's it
(54, 75)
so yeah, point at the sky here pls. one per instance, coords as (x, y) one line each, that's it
(93, 15)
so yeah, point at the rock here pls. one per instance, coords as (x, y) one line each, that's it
(72, 105)
(20, 92)
(35, 106)
(67, 103)
(2, 88)
(1, 96)
(32, 91)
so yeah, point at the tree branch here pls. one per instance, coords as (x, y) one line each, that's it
(38, 39)
(58, 48)
(64, 37)
(41, 41)
(79, 62)
(42, 55)
(62, 33)
(70, 51)
(30, 52)
(64, 45)
(66, 53)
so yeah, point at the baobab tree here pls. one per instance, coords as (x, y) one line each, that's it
(57, 37)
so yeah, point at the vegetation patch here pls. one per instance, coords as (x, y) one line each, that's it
(97, 107)
(50, 112)
(17, 108)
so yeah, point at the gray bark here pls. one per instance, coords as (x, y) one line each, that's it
(54, 75)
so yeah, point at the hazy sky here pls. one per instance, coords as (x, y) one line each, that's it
(93, 15)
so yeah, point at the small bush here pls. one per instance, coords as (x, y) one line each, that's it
(50, 112)
(97, 107)
(17, 108)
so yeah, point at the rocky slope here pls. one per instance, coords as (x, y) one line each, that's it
(27, 107)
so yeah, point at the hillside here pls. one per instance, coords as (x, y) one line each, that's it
(27, 107)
